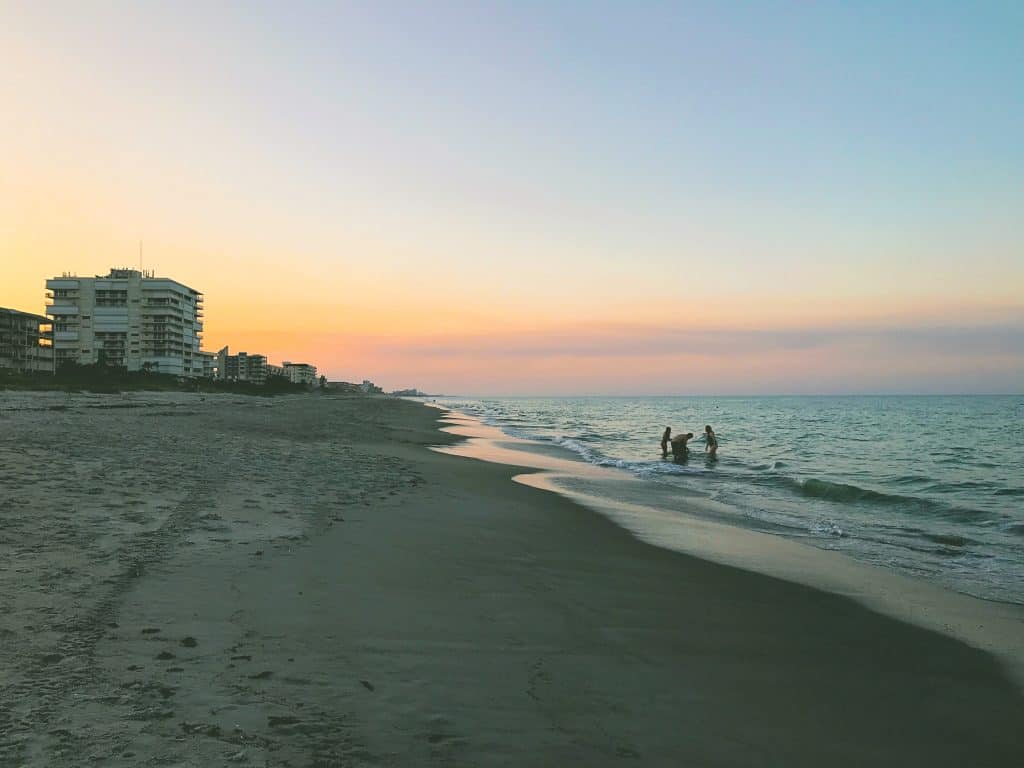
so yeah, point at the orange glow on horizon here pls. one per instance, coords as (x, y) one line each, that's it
(485, 255)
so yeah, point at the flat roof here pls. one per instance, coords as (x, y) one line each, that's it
(41, 318)
(124, 273)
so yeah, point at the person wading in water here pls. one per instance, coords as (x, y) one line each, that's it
(710, 441)
(679, 448)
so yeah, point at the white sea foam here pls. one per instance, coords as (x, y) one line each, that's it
(823, 470)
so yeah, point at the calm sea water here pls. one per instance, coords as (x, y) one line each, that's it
(931, 486)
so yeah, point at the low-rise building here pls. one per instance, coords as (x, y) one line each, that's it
(300, 373)
(241, 367)
(25, 341)
(207, 363)
(252, 367)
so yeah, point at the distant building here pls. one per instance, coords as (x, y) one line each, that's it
(25, 341)
(207, 364)
(300, 373)
(241, 367)
(252, 367)
(127, 318)
(275, 370)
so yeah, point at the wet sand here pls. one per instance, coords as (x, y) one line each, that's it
(299, 581)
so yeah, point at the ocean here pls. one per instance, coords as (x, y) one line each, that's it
(928, 486)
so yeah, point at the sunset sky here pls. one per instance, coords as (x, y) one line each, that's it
(540, 197)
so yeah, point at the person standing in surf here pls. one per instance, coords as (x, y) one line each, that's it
(710, 441)
(665, 437)
(679, 448)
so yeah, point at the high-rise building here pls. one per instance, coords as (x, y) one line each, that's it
(127, 318)
(25, 341)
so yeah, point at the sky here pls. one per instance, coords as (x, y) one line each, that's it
(540, 197)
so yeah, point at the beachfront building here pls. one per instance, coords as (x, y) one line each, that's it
(275, 370)
(369, 388)
(207, 364)
(252, 368)
(220, 364)
(25, 342)
(127, 318)
(241, 367)
(300, 373)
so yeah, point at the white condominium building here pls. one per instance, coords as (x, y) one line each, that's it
(300, 373)
(127, 318)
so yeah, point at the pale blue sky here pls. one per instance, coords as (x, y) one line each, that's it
(822, 165)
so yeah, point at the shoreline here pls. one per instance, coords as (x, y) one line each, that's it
(302, 581)
(943, 511)
(992, 626)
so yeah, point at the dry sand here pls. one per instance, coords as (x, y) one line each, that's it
(297, 581)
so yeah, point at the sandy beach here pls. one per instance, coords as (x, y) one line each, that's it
(298, 581)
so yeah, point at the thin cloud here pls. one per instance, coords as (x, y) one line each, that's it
(1006, 341)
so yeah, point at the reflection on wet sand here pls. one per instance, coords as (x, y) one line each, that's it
(697, 525)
